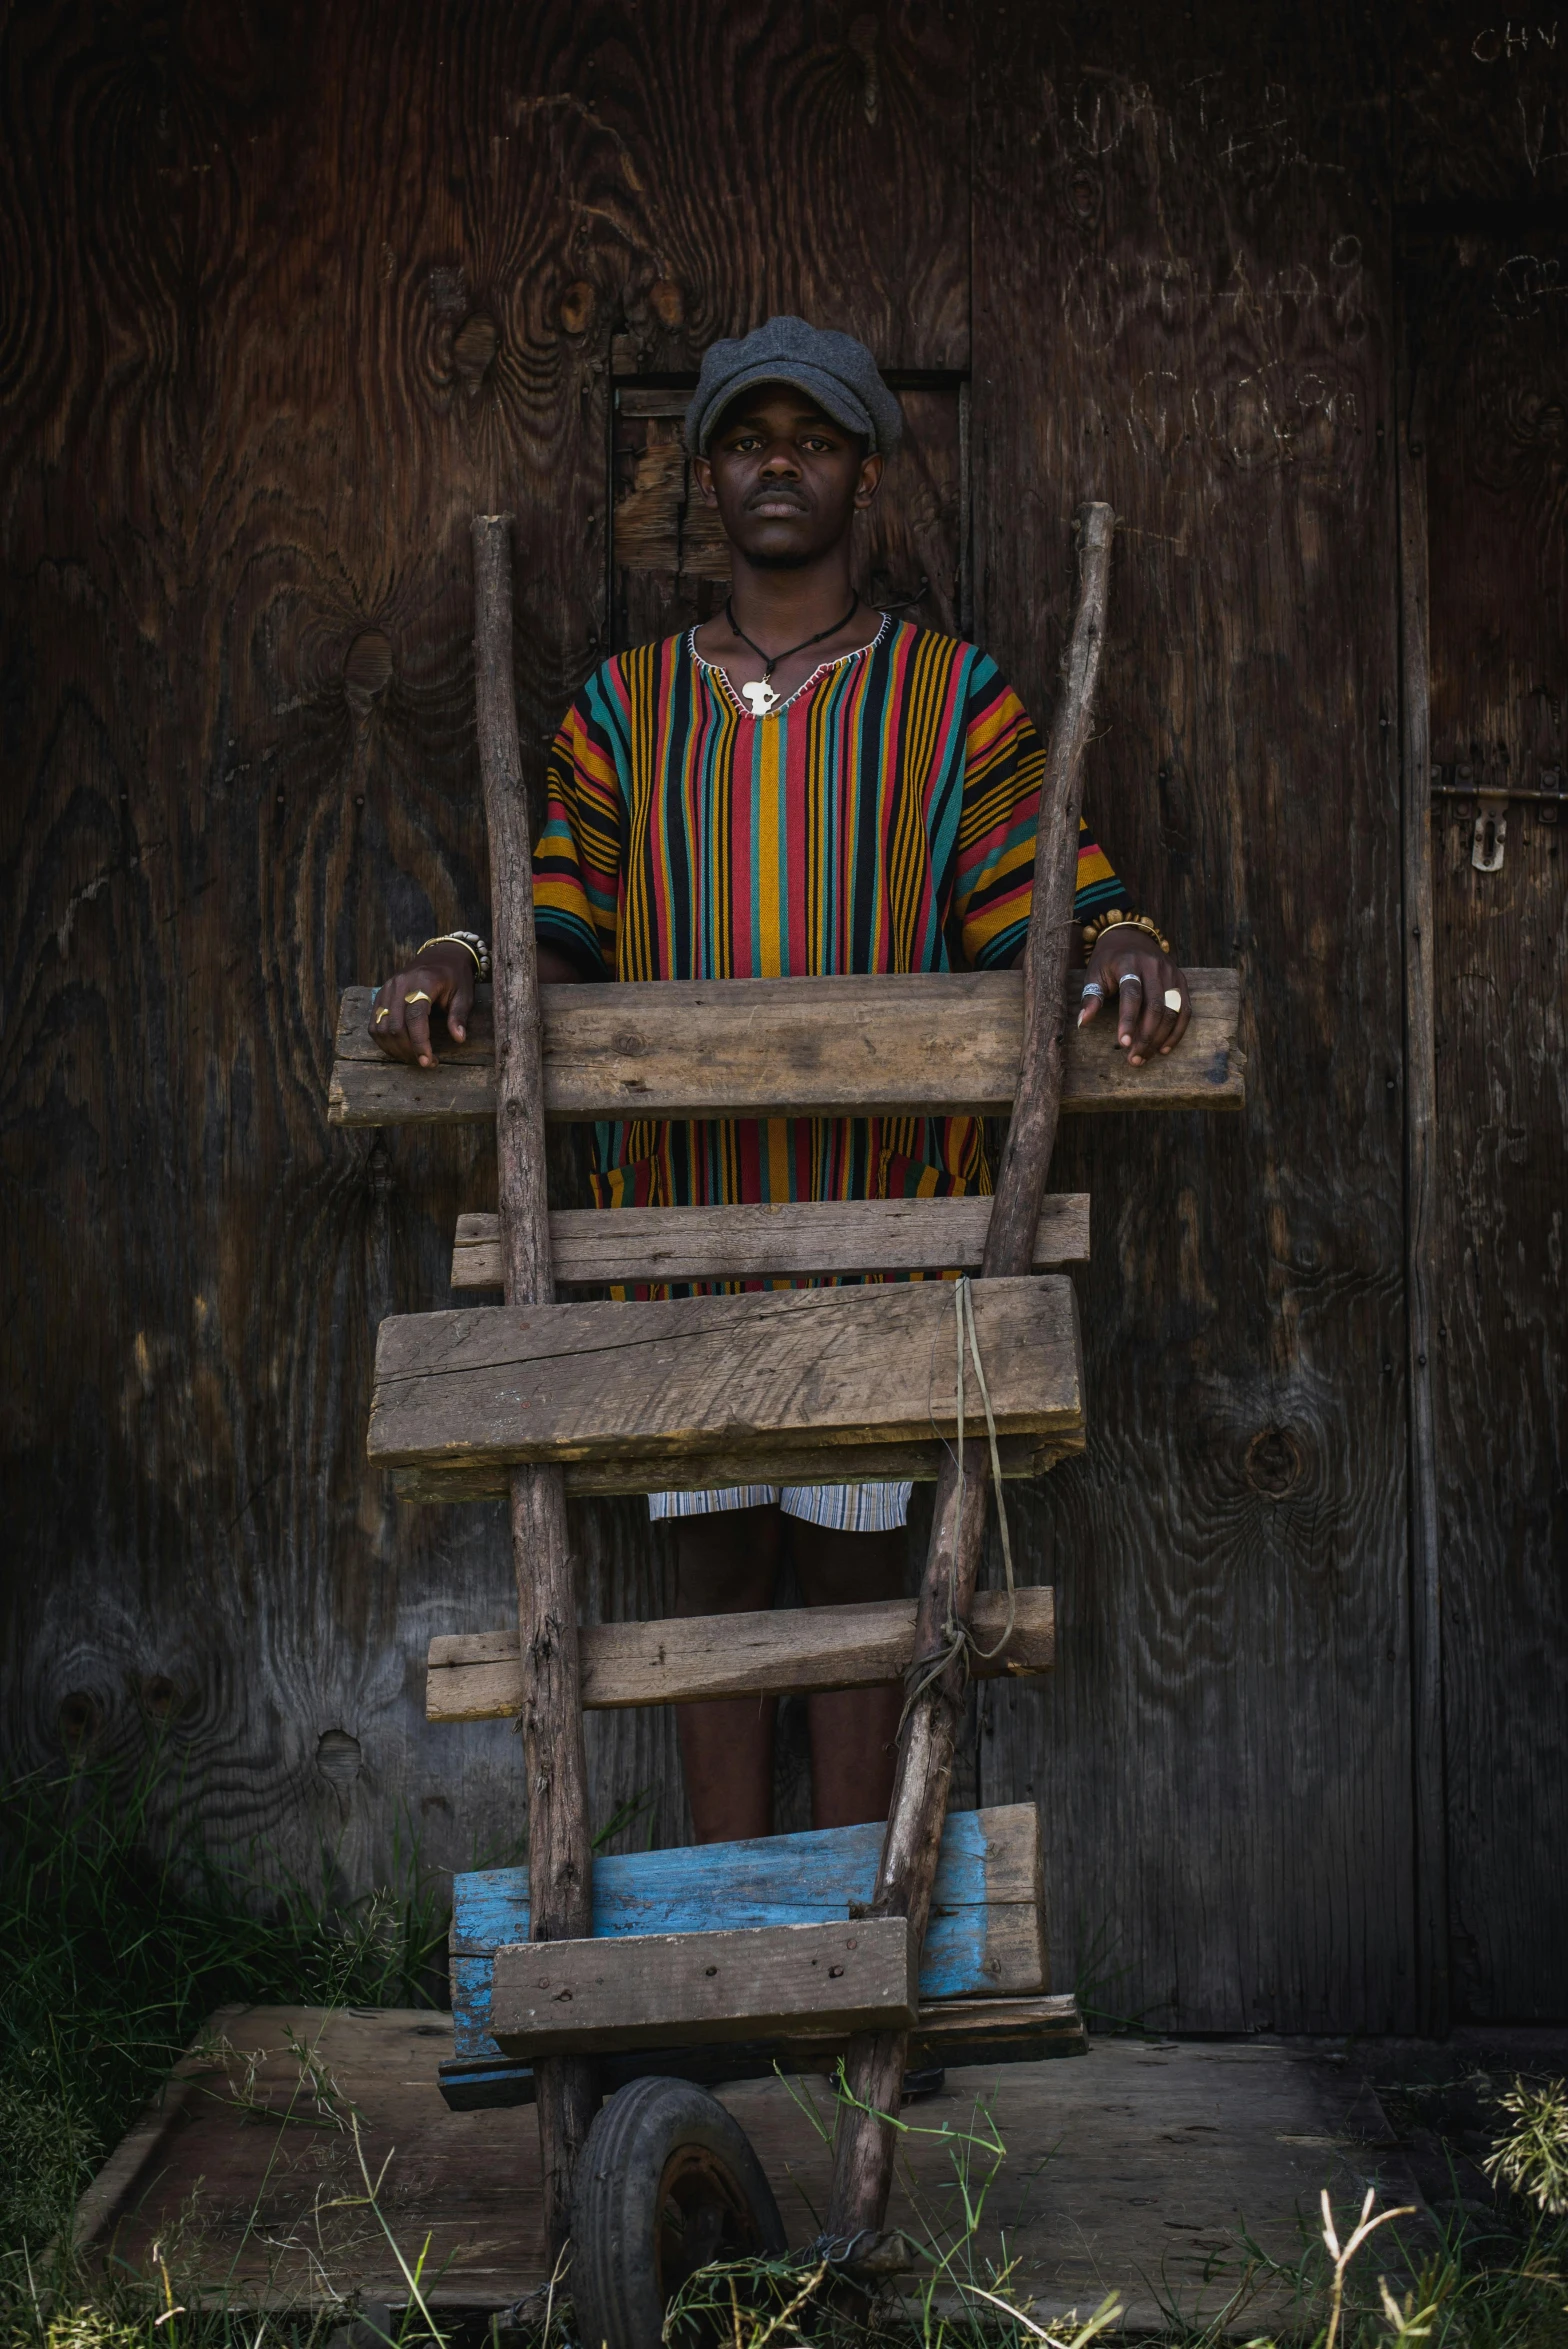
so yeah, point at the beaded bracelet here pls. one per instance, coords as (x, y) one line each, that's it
(1093, 932)
(476, 946)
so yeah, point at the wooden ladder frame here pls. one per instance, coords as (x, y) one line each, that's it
(559, 1846)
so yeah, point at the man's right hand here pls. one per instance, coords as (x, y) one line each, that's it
(441, 980)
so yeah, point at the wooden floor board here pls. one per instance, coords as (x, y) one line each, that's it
(1136, 2170)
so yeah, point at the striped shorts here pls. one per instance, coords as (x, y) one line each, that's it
(845, 1508)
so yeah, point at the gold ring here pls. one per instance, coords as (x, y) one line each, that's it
(385, 1013)
(419, 997)
(1173, 999)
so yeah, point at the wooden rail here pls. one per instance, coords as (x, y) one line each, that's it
(914, 1045)
(796, 1239)
(692, 1659)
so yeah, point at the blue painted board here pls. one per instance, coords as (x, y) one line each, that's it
(774, 1880)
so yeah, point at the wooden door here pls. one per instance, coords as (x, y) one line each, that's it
(1488, 319)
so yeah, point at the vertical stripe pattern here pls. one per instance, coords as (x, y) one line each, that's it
(882, 820)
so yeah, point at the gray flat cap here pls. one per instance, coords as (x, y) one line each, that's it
(832, 369)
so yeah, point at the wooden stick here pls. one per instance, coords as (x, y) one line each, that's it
(863, 2160)
(560, 1854)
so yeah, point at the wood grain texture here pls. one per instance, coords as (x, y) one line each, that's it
(580, 1996)
(1233, 2136)
(987, 1931)
(801, 1237)
(288, 299)
(691, 1659)
(1197, 329)
(549, 1714)
(744, 1461)
(947, 2031)
(812, 1366)
(1492, 342)
(1482, 114)
(833, 1047)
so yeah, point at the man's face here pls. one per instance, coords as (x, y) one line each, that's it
(786, 479)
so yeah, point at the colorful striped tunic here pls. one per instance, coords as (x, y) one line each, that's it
(882, 819)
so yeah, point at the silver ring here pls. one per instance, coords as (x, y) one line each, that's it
(1173, 999)
(1131, 980)
(1093, 987)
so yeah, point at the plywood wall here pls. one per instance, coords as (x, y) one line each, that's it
(287, 295)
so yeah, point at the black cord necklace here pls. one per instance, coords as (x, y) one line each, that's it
(761, 699)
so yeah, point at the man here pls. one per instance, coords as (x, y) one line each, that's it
(804, 785)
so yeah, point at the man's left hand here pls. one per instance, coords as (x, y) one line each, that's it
(1145, 990)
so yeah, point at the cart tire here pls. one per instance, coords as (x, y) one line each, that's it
(666, 2182)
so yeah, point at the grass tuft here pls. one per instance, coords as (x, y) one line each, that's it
(119, 1934)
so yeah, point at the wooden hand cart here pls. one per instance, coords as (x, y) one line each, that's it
(656, 1976)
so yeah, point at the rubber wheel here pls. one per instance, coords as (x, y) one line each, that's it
(666, 2182)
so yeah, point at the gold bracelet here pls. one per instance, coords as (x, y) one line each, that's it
(469, 938)
(1093, 932)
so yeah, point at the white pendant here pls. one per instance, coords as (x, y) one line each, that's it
(760, 699)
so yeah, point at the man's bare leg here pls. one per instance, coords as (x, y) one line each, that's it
(727, 1564)
(854, 1731)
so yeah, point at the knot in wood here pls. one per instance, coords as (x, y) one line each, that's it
(338, 1757)
(161, 1697)
(367, 670)
(79, 1718)
(577, 307)
(474, 346)
(1274, 1463)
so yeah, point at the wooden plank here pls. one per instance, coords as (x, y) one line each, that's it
(951, 2031)
(683, 1660)
(986, 1937)
(911, 1045)
(559, 1997)
(1491, 331)
(748, 1463)
(821, 1366)
(795, 1237)
(1145, 2169)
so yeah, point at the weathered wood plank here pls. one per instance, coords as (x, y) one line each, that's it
(475, 1676)
(745, 1463)
(794, 1237)
(1490, 325)
(951, 2031)
(831, 1047)
(986, 1937)
(554, 1997)
(822, 1366)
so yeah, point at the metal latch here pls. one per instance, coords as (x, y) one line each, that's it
(1490, 789)
(1491, 831)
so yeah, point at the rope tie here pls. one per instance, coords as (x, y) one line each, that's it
(958, 1641)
